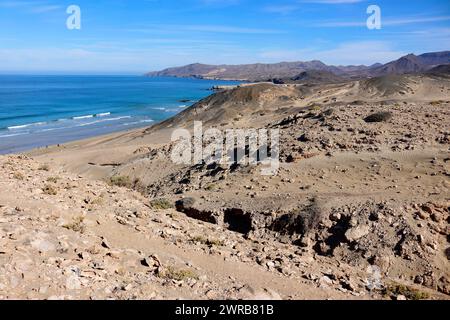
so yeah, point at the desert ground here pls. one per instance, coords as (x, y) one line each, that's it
(358, 210)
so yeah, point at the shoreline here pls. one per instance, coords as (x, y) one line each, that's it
(63, 109)
(83, 142)
(65, 143)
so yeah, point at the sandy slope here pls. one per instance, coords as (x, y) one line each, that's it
(89, 240)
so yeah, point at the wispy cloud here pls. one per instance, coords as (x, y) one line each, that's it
(43, 9)
(30, 6)
(295, 6)
(229, 29)
(385, 22)
(362, 52)
(15, 4)
(172, 28)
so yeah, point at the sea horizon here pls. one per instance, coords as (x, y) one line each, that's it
(43, 110)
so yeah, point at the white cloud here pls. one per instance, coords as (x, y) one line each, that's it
(205, 29)
(229, 29)
(352, 53)
(15, 4)
(30, 6)
(46, 8)
(384, 22)
(292, 7)
(117, 58)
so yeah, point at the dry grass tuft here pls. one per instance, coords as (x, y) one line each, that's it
(207, 241)
(18, 176)
(120, 181)
(44, 167)
(161, 204)
(179, 275)
(396, 289)
(53, 179)
(50, 190)
(77, 225)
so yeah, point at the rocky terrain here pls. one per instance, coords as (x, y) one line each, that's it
(358, 210)
(66, 237)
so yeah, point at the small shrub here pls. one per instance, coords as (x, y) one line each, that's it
(97, 201)
(50, 190)
(378, 117)
(120, 181)
(161, 204)
(44, 167)
(18, 176)
(53, 179)
(77, 225)
(211, 187)
(396, 289)
(207, 241)
(179, 275)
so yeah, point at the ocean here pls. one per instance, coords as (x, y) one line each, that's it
(37, 111)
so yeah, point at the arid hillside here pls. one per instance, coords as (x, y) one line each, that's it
(261, 71)
(359, 207)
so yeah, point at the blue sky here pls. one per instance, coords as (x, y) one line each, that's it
(135, 36)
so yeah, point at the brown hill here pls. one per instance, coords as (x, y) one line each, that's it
(312, 77)
(285, 70)
(250, 72)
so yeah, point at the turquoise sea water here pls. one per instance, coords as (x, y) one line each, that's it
(36, 111)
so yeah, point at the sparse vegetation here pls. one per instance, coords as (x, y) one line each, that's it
(97, 201)
(18, 176)
(53, 179)
(207, 241)
(161, 204)
(378, 117)
(44, 167)
(120, 181)
(179, 275)
(50, 190)
(396, 289)
(77, 225)
(211, 187)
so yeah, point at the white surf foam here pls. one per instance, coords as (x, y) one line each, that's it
(83, 117)
(26, 125)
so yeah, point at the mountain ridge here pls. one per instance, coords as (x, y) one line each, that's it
(261, 72)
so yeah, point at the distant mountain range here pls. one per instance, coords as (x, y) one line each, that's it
(288, 70)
